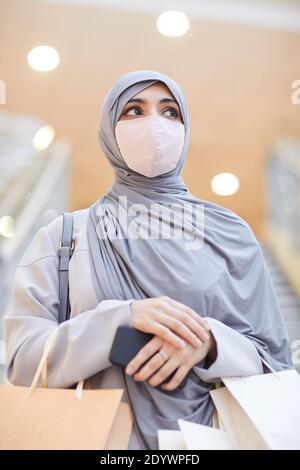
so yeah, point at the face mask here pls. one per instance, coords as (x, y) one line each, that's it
(150, 145)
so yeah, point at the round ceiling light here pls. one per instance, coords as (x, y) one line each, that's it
(43, 58)
(225, 184)
(172, 23)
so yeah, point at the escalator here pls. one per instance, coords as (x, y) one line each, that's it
(288, 301)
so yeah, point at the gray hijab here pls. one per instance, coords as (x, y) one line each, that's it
(225, 278)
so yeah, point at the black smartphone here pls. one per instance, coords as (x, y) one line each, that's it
(127, 343)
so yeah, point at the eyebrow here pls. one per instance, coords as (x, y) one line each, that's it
(163, 100)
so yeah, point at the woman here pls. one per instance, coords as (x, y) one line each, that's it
(204, 292)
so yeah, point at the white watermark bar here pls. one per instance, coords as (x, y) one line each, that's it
(2, 92)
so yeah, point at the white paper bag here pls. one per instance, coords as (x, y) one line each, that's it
(193, 436)
(199, 437)
(261, 411)
(171, 439)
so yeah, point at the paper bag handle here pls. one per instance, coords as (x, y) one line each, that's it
(42, 367)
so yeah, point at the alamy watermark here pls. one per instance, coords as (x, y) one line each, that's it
(156, 222)
(2, 92)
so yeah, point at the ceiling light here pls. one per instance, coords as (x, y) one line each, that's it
(172, 23)
(225, 184)
(43, 58)
(43, 138)
(7, 226)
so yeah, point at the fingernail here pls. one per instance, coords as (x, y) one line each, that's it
(182, 344)
(128, 370)
(206, 336)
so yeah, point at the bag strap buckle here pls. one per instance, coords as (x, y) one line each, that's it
(66, 245)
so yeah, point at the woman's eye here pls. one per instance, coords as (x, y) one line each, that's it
(132, 114)
(173, 112)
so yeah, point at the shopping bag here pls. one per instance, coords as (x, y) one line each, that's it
(48, 418)
(199, 437)
(171, 439)
(261, 411)
(235, 422)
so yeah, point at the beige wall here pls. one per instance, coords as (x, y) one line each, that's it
(237, 81)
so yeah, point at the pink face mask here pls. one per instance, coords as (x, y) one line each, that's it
(150, 145)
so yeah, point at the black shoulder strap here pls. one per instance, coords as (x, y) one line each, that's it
(66, 248)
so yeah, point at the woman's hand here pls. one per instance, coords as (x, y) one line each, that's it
(157, 369)
(170, 320)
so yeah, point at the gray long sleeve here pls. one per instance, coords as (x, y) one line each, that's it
(83, 343)
(236, 355)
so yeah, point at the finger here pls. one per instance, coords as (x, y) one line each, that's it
(145, 353)
(176, 379)
(167, 335)
(190, 312)
(180, 329)
(163, 373)
(150, 368)
(192, 324)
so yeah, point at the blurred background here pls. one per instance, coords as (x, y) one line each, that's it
(238, 64)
